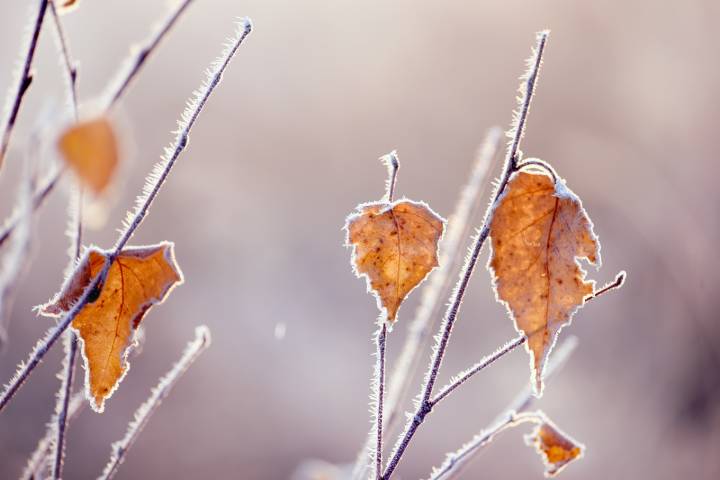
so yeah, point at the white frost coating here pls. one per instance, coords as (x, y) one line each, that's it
(38, 462)
(194, 106)
(368, 283)
(390, 160)
(436, 285)
(455, 460)
(159, 393)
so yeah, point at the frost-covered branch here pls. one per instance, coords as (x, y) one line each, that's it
(423, 405)
(159, 393)
(159, 174)
(139, 56)
(23, 82)
(437, 285)
(125, 76)
(456, 460)
(40, 458)
(133, 220)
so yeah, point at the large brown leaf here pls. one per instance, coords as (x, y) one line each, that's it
(138, 279)
(395, 247)
(538, 231)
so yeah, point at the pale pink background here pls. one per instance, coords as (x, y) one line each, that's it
(626, 110)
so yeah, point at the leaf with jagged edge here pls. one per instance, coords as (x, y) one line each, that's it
(539, 230)
(139, 278)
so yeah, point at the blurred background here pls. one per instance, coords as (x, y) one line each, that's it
(286, 148)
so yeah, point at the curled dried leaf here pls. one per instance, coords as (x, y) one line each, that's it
(556, 447)
(139, 278)
(90, 149)
(539, 230)
(394, 247)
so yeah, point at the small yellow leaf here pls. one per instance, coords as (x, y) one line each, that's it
(557, 448)
(538, 231)
(395, 247)
(139, 278)
(90, 149)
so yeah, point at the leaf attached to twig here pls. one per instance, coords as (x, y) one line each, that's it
(556, 447)
(90, 149)
(139, 278)
(394, 247)
(539, 230)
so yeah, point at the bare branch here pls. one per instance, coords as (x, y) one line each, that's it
(158, 394)
(24, 80)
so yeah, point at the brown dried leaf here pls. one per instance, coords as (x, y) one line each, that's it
(538, 231)
(64, 6)
(395, 247)
(138, 279)
(90, 148)
(556, 447)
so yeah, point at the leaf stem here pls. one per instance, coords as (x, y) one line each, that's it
(24, 80)
(158, 394)
(424, 405)
(392, 163)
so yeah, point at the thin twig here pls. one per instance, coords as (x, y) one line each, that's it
(617, 283)
(424, 406)
(125, 75)
(189, 117)
(141, 54)
(435, 289)
(379, 394)
(539, 164)
(63, 404)
(158, 394)
(24, 80)
(41, 456)
(68, 64)
(485, 362)
(456, 460)
(134, 220)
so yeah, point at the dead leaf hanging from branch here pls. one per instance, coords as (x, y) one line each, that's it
(538, 231)
(138, 278)
(395, 248)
